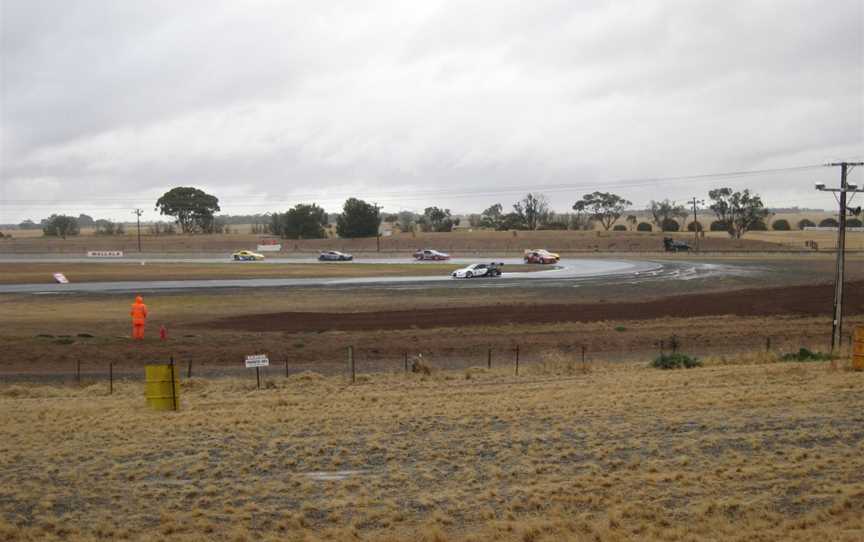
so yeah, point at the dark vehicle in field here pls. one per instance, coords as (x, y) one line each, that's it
(671, 245)
(334, 256)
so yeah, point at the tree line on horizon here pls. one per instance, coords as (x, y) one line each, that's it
(194, 212)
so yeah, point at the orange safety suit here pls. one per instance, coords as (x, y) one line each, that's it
(139, 318)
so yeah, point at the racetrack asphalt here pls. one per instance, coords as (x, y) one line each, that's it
(566, 271)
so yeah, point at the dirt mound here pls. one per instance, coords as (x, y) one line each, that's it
(812, 300)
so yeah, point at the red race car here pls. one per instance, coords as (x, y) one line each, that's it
(541, 256)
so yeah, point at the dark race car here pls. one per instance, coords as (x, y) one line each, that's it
(334, 256)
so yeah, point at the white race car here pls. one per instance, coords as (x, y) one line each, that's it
(475, 270)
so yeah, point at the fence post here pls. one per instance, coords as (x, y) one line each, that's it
(188, 370)
(173, 388)
(517, 360)
(767, 344)
(351, 363)
(405, 359)
(489, 358)
(110, 378)
(258, 376)
(78, 372)
(286, 368)
(583, 355)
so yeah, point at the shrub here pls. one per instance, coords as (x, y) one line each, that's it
(805, 223)
(853, 223)
(781, 225)
(804, 354)
(675, 361)
(694, 226)
(670, 224)
(759, 225)
(644, 226)
(829, 223)
(619, 227)
(718, 225)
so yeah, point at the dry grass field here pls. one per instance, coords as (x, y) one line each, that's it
(742, 449)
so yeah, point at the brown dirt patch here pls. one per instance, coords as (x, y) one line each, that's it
(792, 300)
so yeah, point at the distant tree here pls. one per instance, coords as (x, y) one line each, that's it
(666, 210)
(407, 220)
(303, 221)
(512, 221)
(391, 218)
(28, 225)
(644, 226)
(358, 219)
(475, 220)
(61, 226)
(85, 221)
(718, 225)
(806, 223)
(619, 227)
(853, 223)
(670, 224)
(603, 207)
(436, 220)
(694, 226)
(532, 210)
(106, 227)
(759, 225)
(191, 207)
(632, 220)
(740, 211)
(829, 223)
(781, 225)
(492, 217)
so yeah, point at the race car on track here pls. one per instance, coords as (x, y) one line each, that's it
(334, 256)
(541, 255)
(428, 254)
(246, 256)
(476, 270)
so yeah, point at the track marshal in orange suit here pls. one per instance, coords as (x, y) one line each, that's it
(139, 318)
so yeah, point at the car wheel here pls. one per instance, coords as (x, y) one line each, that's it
(469, 274)
(236, 258)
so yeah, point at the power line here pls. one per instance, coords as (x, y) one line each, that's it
(486, 191)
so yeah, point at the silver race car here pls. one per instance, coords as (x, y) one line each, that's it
(476, 270)
(334, 256)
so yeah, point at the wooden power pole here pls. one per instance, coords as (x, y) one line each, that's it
(840, 271)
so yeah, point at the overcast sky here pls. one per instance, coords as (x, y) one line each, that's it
(105, 105)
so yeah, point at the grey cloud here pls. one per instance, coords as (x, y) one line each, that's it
(119, 100)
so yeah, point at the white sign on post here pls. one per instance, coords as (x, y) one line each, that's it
(104, 253)
(260, 360)
(269, 248)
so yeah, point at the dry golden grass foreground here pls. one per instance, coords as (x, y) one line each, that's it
(767, 451)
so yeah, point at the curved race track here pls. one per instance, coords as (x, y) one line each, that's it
(568, 272)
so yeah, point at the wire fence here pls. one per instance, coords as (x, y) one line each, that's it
(352, 362)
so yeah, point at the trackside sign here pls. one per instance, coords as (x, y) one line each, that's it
(259, 360)
(104, 253)
(269, 248)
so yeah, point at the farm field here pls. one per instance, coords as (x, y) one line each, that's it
(744, 447)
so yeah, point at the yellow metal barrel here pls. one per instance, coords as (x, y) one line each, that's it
(162, 391)
(858, 349)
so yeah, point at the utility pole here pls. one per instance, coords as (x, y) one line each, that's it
(138, 213)
(695, 203)
(840, 271)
